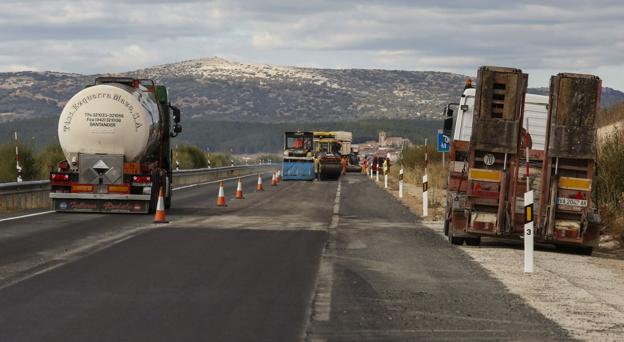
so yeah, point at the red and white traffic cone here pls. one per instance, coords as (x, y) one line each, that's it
(279, 175)
(259, 187)
(239, 190)
(221, 197)
(159, 216)
(274, 180)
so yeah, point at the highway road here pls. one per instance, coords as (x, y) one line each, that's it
(318, 261)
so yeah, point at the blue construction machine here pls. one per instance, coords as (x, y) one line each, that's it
(298, 162)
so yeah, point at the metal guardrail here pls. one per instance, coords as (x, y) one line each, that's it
(24, 186)
(45, 184)
(35, 194)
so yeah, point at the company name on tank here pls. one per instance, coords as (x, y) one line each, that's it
(115, 97)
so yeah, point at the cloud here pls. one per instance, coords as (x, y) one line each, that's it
(97, 36)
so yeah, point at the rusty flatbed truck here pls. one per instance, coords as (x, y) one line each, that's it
(487, 172)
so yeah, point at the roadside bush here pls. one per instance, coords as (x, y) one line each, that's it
(274, 158)
(220, 159)
(8, 172)
(414, 156)
(190, 157)
(609, 186)
(47, 159)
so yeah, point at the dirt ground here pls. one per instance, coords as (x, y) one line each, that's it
(582, 294)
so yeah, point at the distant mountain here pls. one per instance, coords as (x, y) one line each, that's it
(609, 96)
(217, 89)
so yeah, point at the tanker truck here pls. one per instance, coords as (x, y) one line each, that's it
(115, 135)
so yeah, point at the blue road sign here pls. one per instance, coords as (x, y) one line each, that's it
(444, 142)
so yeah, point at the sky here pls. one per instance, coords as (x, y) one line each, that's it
(541, 37)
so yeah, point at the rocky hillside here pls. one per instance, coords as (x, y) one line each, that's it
(218, 89)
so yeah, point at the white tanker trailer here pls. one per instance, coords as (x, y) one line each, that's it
(115, 135)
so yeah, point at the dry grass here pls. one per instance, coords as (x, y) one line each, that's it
(437, 178)
(609, 186)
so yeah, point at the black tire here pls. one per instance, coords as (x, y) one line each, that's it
(155, 190)
(168, 197)
(446, 227)
(585, 250)
(581, 250)
(473, 241)
(454, 239)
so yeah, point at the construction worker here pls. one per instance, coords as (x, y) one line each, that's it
(344, 165)
(317, 167)
(385, 166)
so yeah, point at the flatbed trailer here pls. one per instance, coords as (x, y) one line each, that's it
(488, 170)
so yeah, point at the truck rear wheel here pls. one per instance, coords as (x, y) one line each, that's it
(582, 250)
(454, 239)
(169, 194)
(473, 241)
(156, 182)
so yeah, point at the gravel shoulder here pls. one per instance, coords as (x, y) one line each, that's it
(582, 294)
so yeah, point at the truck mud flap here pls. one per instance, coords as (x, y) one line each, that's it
(100, 206)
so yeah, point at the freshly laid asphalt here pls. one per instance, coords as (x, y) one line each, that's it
(250, 272)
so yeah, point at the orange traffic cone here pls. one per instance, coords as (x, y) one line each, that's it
(239, 190)
(278, 175)
(221, 197)
(159, 217)
(274, 180)
(259, 187)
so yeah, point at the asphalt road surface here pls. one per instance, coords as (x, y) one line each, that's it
(301, 261)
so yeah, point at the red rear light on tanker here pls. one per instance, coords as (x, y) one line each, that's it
(141, 180)
(59, 177)
(64, 165)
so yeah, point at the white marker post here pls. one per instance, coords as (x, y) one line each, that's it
(528, 232)
(17, 160)
(401, 182)
(385, 180)
(425, 196)
(377, 174)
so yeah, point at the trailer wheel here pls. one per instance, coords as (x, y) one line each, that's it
(454, 239)
(473, 241)
(169, 193)
(446, 227)
(585, 250)
(582, 250)
(156, 180)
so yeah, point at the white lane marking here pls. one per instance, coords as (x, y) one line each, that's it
(25, 216)
(174, 189)
(325, 279)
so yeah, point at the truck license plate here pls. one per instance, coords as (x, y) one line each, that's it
(571, 202)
